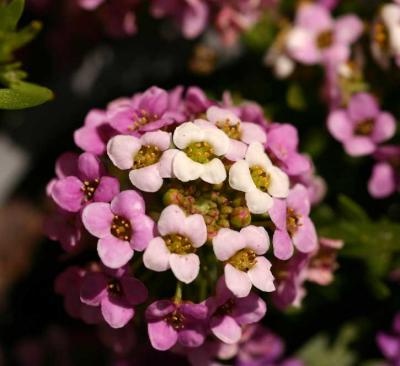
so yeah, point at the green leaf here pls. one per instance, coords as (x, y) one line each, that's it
(295, 97)
(10, 14)
(319, 351)
(351, 209)
(24, 95)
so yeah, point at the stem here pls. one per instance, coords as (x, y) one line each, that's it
(178, 292)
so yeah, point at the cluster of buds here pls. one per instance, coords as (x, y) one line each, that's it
(174, 202)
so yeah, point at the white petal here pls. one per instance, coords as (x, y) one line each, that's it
(256, 238)
(240, 178)
(213, 172)
(279, 185)
(187, 133)
(261, 276)
(218, 139)
(227, 242)
(185, 267)
(146, 179)
(165, 163)
(161, 139)
(121, 150)
(256, 156)
(237, 281)
(202, 123)
(156, 255)
(258, 202)
(185, 169)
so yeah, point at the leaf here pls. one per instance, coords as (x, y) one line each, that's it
(295, 97)
(351, 209)
(24, 95)
(320, 352)
(10, 14)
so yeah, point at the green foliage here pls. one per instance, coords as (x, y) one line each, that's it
(17, 94)
(320, 351)
(295, 97)
(375, 242)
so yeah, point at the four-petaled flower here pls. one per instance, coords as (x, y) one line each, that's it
(181, 236)
(148, 158)
(115, 292)
(200, 148)
(293, 226)
(244, 264)
(121, 227)
(259, 179)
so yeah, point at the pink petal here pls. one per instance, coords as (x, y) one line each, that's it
(147, 179)
(363, 106)
(237, 150)
(67, 165)
(93, 288)
(226, 329)
(128, 204)
(359, 146)
(237, 281)
(89, 167)
(340, 126)
(252, 133)
(305, 239)
(256, 238)
(97, 218)
(298, 200)
(277, 213)
(134, 290)
(162, 335)
(67, 193)
(170, 221)
(249, 309)
(143, 232)
(185, 267)
(382, 182)
(156, 256)
(348, 29)
(314, 18)
(227, 242)
(107, 189)
(385, 127)
(283, 247)
(114, 253)
(114, 314)
(261, 276)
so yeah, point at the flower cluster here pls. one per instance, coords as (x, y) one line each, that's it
(200, 188)
(355, 118)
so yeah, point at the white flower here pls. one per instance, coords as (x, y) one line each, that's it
(391, 17)
(259, 179)
(200, 147)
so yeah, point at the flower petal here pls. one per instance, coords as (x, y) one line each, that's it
(185, 267)
(185, 169)
(170, 221)
(134, 290)
(216, 114)
(213, 172)
(339, 125)
(162, 335)
(261, 276)
(256, 238)
(250, 132)
(237, 281)
(298, 200)
(114, 253)
(161, 139)
(165, 163)
(196, 230)
(385, 127)
(187, 133)
(97, 218)
(156, 256)
(282, 243)
(239, 176)
(279, 185)
(67, 193)
(107, 189)
(227, 242)
(147, 179)
(305, 238)
(93, 288)
(128, 204)
(256, 156)
(114, 314)
(218, 139)
(122, 149)
(278, 213)
(143, 232)
(226, 329)
(258, 202)
(382, 182)
(249, 309)
(359, 146)
(89, 166)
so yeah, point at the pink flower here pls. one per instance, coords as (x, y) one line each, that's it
(169, 323)
(282, 147)
(147, 157)
(362, 125)
(385, 178)
(293, 226)
(121, 227)
(317, 38)
(191, 15)
(65, 227)
(95, 133)
(115, 292)
(181, 236)
(244, 265)
(228, 313)
(149, 111)
(82, 180)
(69, 285)
(389, 343)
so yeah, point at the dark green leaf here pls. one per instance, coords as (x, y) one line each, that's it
(10, 14)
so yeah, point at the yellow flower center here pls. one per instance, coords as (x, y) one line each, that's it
(89, 188)
(176, 320)
(121, 228)
(243, 260)
(200, 152)
(147, 155)
(260, 177)
(179, 244)
(325, 39)
(142, 118)
(292, 221)
(233, 131)
(365, 128)
(380, 35)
